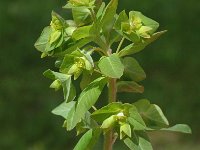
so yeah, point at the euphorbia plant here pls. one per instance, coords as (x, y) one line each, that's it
(83, 48)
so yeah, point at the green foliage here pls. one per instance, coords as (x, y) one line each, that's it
(140, 142)
(88, 140)
(64, 109)
(74, 43)
(151, 113)
(111, 66)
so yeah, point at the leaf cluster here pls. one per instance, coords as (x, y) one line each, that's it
(93, 31)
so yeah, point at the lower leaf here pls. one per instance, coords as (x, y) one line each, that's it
(183, 128)
(140, 141)
(88, 140)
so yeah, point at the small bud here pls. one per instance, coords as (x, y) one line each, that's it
(121, 114)
(121, 117)
(56, 85)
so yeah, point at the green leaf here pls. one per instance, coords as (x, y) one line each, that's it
(65, 81)
(140, 141)
(81, 15)
(133, 70)
(88, 140)
(100, 11)
(135, 119)
(108, 16)
(67, 63)
(129, 86)
(183, 128)
(69, 31)
(87, 99)
(151, 114)
(114, 37)
(131, 49)
(69, 122)
(55, 35)
(87, 78)
(72, 93)
(64, 109)
(42, 41)
(55, 43)
(132, 145)
(144, 142)
(111, 66)
(137, 47)
(81, 32)
(86, 123)
(73, 47)
(107, 111)
(121, 18)
(125, 129)
(154, 37)
(134, 37)
(56, 75)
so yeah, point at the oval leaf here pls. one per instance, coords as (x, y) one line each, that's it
(133, 70)
(140, 141)
(152, 114)
(87, 99)
(108, 15)
(88, 140)
(111, 66)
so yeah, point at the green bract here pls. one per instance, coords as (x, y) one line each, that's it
(137, 27)
(55, 35)
(76, 62)
(85, 47)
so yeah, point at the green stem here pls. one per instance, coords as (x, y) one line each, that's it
(112, 90)
(101, 51)
(120, 45)
(109, 137)
(112, 93)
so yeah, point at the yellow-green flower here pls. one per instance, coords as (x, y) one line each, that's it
(77, 62)
(135, 28)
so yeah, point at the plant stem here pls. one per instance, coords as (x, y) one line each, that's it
(120, 45)
(100, 50)
(112, 92)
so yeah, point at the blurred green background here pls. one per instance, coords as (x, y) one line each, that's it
(172, 65)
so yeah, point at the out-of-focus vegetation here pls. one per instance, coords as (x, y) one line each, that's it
(172, 66)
